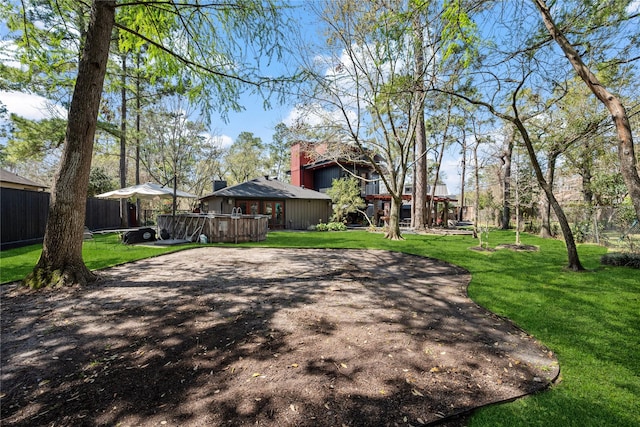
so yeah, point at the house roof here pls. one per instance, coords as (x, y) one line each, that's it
(265, 188)
(12, 178)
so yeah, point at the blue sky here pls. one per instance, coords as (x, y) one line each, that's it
(254, 118)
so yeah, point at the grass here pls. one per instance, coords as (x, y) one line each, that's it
(105, 250)
(591, 320)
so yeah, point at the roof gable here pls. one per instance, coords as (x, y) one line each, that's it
(10, 177)
(265, 188)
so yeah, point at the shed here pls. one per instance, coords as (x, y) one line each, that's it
(11, 180)
(287, 206)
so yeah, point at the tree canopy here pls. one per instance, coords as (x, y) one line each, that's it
(213, 48)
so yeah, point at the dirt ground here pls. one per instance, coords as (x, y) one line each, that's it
(270, 337)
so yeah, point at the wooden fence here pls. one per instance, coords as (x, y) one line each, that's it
(23, 216)
(216, 227)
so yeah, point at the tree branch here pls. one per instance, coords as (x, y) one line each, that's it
(262, 81)
(184, 60)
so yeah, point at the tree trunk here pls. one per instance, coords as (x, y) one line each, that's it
(476, 199)
(506, 181)
(393, 232)
(572, 250)
(626, 154)
(124, 205)
(517, 203)
(545, 228)
(420, 190)
(420, 202)
(433, 218)
(432, 203)
(463, 173)
(61, 259)
(413, 188)
(137, 139)
(587, 190)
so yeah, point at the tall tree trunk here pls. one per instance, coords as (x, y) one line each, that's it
(462, 175)
(517, 200)
(124, 211)
(572, 250)
(432, 202)
(61, 260)
(476, 199)
(507, 155)
(587, 191)
(420, 200)
(626, 154)
(445, 135)
(137, 139)
(413, 188)
(545, 228)
(393, 233)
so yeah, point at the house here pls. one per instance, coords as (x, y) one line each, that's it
(287, 206)
(312, 167)
(11, 180)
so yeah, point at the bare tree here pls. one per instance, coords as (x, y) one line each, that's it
(368, 90)
(419, 215)
(358, 92)
(506, 159)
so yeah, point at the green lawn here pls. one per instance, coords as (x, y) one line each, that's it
(590, 319)
(104, 250)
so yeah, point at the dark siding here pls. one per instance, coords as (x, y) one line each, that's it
(323, 178)
(300, 214)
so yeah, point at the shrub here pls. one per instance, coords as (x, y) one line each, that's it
(621, 259)
(337, 226)
(331, 226)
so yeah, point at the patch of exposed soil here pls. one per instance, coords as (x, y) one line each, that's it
(272, 337)
(518, 248)
(482, 249)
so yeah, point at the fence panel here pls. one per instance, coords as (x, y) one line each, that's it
(23, 216)
(102, 213)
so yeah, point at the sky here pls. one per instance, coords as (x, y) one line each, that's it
(254, 119)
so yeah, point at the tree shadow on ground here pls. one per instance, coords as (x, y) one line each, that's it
(229, 336)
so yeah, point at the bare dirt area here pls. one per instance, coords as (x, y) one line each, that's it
(270, 337)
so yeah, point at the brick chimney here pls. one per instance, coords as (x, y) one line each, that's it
(299, 176)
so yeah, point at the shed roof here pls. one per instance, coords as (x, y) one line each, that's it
(266, 188)
(10, 177)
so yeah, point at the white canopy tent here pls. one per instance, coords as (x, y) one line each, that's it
(148, 190)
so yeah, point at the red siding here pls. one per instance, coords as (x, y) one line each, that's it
(299, 176)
